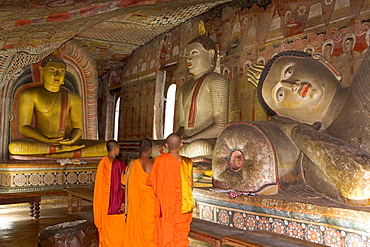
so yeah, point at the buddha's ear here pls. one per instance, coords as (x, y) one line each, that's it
(212, 53)
(41, 69)
(321, 58)
(213, 58)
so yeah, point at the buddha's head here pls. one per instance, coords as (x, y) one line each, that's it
(298, 85)
(348, 43)
(200, 56)
(52, 72)
(327, 49)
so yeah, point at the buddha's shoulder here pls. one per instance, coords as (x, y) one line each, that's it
(214, 76)
(216, 81)
(32, 90)
(72, 94)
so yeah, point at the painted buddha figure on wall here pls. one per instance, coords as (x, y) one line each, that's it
(58, 118)
(202, 109)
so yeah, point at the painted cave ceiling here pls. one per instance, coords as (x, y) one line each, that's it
(108, 30)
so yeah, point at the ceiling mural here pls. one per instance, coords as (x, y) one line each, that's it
(108, 30)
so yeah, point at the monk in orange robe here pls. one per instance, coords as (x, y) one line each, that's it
(172, 181)
(108, 203)
(140, 202)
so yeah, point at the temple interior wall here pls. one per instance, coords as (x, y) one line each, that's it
(244, 36)
(338, 29)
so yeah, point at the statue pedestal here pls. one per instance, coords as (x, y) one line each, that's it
(298, 212)
(36, 173)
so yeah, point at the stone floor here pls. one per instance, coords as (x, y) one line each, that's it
(18, 229)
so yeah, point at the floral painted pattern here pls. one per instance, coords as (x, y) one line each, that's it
(317, 233)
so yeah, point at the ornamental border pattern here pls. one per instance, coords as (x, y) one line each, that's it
(310, 231)
(23, 179)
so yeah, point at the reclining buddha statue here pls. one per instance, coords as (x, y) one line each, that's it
(58, 118)
(319, 132)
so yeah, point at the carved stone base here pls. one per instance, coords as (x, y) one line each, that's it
(35, 175)
(297, 212)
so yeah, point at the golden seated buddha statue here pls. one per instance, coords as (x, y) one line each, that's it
(58, 118)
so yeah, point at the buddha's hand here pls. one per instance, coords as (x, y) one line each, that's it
(54, 141)
(181, 131)
(186, 139)
(66, 141)
(254, 73)
(74, 135)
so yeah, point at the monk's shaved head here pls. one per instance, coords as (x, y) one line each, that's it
(145, 145)
(111, 144)
(173, 141)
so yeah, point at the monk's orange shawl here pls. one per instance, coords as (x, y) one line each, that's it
(140, 207)
(171, 182)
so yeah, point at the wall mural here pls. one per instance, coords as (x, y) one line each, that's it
(247, 36)
(136, 111)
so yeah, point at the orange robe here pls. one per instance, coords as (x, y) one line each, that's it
(172, 226)
(139, 208)
(111, 227)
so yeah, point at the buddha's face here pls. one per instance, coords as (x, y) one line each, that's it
(328, 50)
(347, 45)
(299, 88)
(199, 60)
(53, 75)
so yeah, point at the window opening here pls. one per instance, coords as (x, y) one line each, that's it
(169, 110)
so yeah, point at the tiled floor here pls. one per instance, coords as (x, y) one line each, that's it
(18, 229)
